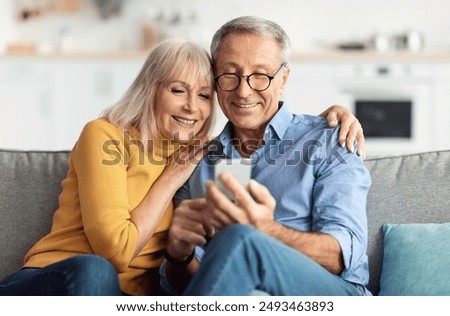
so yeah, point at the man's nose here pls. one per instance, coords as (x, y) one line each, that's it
(244, 89)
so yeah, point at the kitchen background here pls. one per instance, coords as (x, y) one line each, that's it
(63, 61)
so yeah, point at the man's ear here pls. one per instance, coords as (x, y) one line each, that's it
(286, 73)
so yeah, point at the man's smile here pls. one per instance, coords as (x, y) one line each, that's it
(246, 105)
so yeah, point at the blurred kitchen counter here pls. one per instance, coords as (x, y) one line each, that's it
(113, 55)
(366, 55)
(296, 56)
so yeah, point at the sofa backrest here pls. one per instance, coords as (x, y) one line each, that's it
(30, 182)
(405, 189)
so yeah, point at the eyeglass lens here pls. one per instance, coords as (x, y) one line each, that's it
(256, 81)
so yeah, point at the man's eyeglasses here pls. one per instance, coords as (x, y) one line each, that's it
(257, 81)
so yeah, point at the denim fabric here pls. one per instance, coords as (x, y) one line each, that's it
(82, 275)
(240, 259)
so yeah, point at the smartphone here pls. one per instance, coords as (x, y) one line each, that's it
(239, 168)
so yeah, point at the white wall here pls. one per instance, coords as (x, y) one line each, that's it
(6, 23)
(306, 21)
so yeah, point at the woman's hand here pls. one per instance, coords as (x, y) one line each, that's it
(182, 163)
(351, 129)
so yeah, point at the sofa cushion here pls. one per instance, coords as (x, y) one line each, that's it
(416, 259)
(29, 188)
(405, 189)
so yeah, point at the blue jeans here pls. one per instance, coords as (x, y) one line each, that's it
(240, 259)
(79, 275)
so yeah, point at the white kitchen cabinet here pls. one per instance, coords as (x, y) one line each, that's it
(26, 108)
(46, 102)
(83, 89)
(442, 99)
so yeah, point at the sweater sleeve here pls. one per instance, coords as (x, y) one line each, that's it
(99, 160)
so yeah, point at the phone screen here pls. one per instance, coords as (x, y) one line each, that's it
(239, 168)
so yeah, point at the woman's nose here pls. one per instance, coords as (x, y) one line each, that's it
(191, 103)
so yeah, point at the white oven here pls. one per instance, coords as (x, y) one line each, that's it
(394, 104)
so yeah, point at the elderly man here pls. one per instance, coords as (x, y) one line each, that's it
(299, 227)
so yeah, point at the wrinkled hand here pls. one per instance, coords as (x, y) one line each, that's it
(351, 128)
(254, 207)
(189, 228)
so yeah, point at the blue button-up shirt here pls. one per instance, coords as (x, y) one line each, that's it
(318, 185)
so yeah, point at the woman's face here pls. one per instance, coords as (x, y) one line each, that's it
(182, 106)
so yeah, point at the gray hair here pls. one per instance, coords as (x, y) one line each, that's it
(253, 25)
(169, 59)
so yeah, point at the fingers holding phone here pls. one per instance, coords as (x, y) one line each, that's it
(239, 169)
(235, 198)
(189, 228)
(222, 211)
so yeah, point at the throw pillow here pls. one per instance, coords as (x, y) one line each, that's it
(416, 260)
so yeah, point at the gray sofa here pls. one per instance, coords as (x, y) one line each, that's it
(406, 189)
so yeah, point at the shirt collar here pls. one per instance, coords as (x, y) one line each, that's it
(280, 122)
(275, 129)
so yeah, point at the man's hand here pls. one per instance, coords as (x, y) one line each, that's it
(350, 130)
(188, 229)
(254, 207)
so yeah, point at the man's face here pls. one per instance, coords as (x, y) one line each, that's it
(245, 54)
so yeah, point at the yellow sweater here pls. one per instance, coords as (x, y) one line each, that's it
(108, 177)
